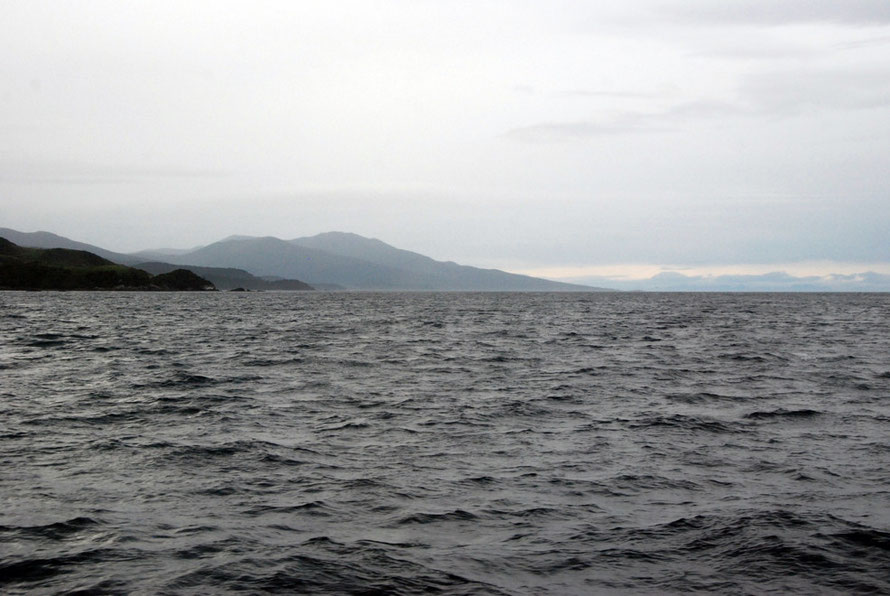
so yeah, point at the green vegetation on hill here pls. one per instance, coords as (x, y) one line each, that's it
(226, 278)
(24, 268)
(182, 280)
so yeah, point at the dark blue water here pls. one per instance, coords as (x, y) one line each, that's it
(357, 443)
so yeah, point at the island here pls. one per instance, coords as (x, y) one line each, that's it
(23, 268)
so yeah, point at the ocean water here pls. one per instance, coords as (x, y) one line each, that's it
(444, 443)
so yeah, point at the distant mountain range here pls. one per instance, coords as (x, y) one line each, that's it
(330, 260)
(338, 260)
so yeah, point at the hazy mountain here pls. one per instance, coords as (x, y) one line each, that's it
(370, 249)
(355, 262)
(447, 274)
(49, 240)
(275, 257)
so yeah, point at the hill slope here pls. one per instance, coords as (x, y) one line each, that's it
(439, 274)
(50, 240)
(275, 257)
(24, 268)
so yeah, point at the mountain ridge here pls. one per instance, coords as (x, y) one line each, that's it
(356, 262)
(41, 239)
(329, 259)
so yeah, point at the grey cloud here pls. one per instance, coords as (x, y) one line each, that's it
(864, 43)
(547, 132)
(703, 109)
(765, 94)
(771, 49)
(609, 94)
(778, 12)
(623, 123)
(789, 91)
(762, 52)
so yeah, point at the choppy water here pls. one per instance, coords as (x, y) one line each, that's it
(444, 443)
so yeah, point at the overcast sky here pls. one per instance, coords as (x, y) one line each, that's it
(532, 136)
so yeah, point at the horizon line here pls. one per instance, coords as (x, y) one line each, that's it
(631, 272)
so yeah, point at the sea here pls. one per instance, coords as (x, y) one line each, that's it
(444, 443)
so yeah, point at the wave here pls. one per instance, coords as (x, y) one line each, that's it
(327, 567)
(55, 530)
(751, 552)
(686, 423)
(457, 515)
(783, 414)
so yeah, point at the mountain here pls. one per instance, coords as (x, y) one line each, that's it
(443, 274)
(272, 256)
(24, 268)
(356, 262)
(49, 240)
(368, 249)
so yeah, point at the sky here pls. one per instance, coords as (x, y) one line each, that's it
(556, 138)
